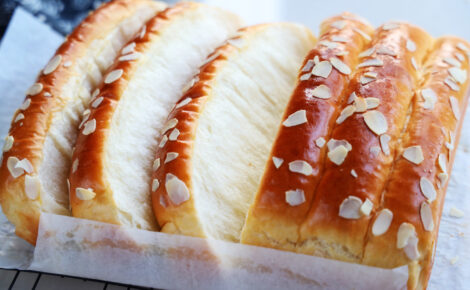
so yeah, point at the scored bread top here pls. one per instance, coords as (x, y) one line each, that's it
(113, 158)
(333, 226)
(219, 134)
(415, 191)
(37, 154)
(273, 220)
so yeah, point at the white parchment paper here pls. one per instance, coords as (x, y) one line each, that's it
(89, 249)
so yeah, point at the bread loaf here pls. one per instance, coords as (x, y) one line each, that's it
(273, 221)
(112, 162)
(38, 149)
(222, 129)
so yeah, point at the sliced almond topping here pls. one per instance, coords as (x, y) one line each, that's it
(305, 77)
(316, 59)
(191, 84)
(354, 173)
(32, 186)
(452, 61)
(340, 53)
(75, 165)
(454, 104)
(460, 57)
(142, 32)
(26, 104)
(442, 161)
(350, 207)
(410, 45)
(156, 164)
(11, 164)
(390, 26)
(295, 119)
(113, 76)
(84, 194)
(450, 145)
(322, 69)
(9, 140)
(163, 201)
(430, 98)
(169, 125)
(328, 44)
(374, 150)
(89, 127)
(427, 189)
(52, 64)
(367, 52)
(34, 89)
(67, 63)
(340, 66)
(456, 213)
(405, 232)
(451, 84)
(352, 98)
(362, 33)
(163, 141)
(366, 207)
(308, 65)
(346, 113)
(301, 166)
(333, 143)
(365, 80)
(442, 178)
(371, 62)
(426, 216)
(340, 24)
(386, 51)
(382, 222)
(371, 74)
(128, 48)
(376, 122)
(155, 184)
(176, 189)
(320, 142)
(97, 102)
(360, 104)
(339, 39)
(414, 63)
(295, 197)
(19, 117)
(183, 103)
(338, 155)
(277, 161)
(384, 140)
(129, 57)
(411, 248)
(460, 75)
(174, 135)
(463, 47)
(414, 154)
(170, 156)
(372, 103)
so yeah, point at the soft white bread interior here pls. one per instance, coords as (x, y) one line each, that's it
(44, 129)
(133, 111)
(228, 121)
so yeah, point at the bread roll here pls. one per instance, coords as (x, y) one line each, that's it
(112, 162)
(38, 150)
(272, 220)
(222, 130)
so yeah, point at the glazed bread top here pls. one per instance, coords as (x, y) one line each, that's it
(113, 159)
(274, 219)
(220, 132)
(43, 131)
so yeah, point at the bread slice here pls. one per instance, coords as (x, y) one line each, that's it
(274, 219)
(38, 151)
(112, 162)
(218, 136)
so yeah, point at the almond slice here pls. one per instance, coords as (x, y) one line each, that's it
(277, 161)
(367, 52)
(360, 104)
(426, 216)
(346, 113)
(328, 44)
(52, 64)
(170, 156)
(301, 166)
(170, 124)
(456, 213)
(411, 248)
(372, 103)
(156, 164)
(113, 76)
(384, 140)
(338, 155)
(354, 173)
(97, 102)
(442, 178)
(451, 84)
(176, 189)
(340, 24)
(297, 118)
(75, 165)
(183, 103)
(414, 154)
(454, 104)
(352, 98)
(405, 232)
(322, 69)
(362, 33)
(460, 75)
(34, 89)
(350, 208)
(382, 222)
(442, 161)
(386, 51)
(365, 80)
(321, 92)
(430, 98)
(89, 127)
(452, 61)
(376, 122)
(320, 142)
(390, 26)
(340, 66)
(174, 134)
(427, 189)
(371, 62)
(410, 45)
(295, 197)
(414, 63)
(163, 141)
(32, 186)
(25, 104)
(333, 143)
(366, 207)
(308, 65)
(9, 140)
(11, 165)
(339, 39)
(84, 194)
(155, 184)
(19, 117)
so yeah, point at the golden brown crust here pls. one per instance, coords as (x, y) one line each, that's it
(430, 129)
(90, 148)
(29, 134)
(272, 221)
